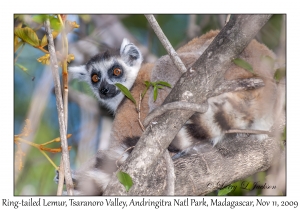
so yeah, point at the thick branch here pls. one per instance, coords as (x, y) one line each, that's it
(199, 172)
(239, 157)
(59, 105)
(198, 84)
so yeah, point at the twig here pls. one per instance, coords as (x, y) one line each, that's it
(55, 140)
(38, 146)
(61, 176)
(42, 49)
(165, 42)
(59, 105)
(65, 94)
(248, 131)
(170, 189)
(54, 165)
(139, 112)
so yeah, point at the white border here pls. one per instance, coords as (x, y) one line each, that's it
(6, 111)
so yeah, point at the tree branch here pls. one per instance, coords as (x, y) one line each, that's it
(179, 105)
(165, 42)
(199, 171)
(209, 69)
(59, 105)
(170, 188)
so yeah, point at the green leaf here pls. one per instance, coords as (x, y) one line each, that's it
(55, 24)
(39, 18)
(70, 58)
(279, 74)
(45, 59)
(153, 83)
(155, 93)
(283, 135)
(44, 41)
(55, 34)
(145, 91)
(16, 43)
(244, 64)
(27, 35)
(163, 83)
(225, 190)
(147, 83)
(125, 180)
(160, 87)
(23, 68)
(125, 91)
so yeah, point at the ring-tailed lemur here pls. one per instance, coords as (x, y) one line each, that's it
(252, 109)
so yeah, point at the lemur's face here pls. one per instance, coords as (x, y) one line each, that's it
(104, 70)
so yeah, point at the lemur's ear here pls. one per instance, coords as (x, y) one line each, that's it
(78, 72)
(130, 54)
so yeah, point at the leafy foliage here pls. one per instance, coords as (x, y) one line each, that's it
(225, 191)
(27, 35)
(279, 74)
(244, 64)
(18, 139)
(156, 85)
(126, 92)
(27, 31)
(45, 59)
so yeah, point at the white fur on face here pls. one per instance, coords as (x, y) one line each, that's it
(130, 59)
(129, 75)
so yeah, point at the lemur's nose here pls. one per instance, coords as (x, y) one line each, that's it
(104, 90)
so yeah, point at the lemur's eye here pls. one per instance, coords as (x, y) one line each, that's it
(95, 78)
(117, 71)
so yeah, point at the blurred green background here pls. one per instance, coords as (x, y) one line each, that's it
(34, 97)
